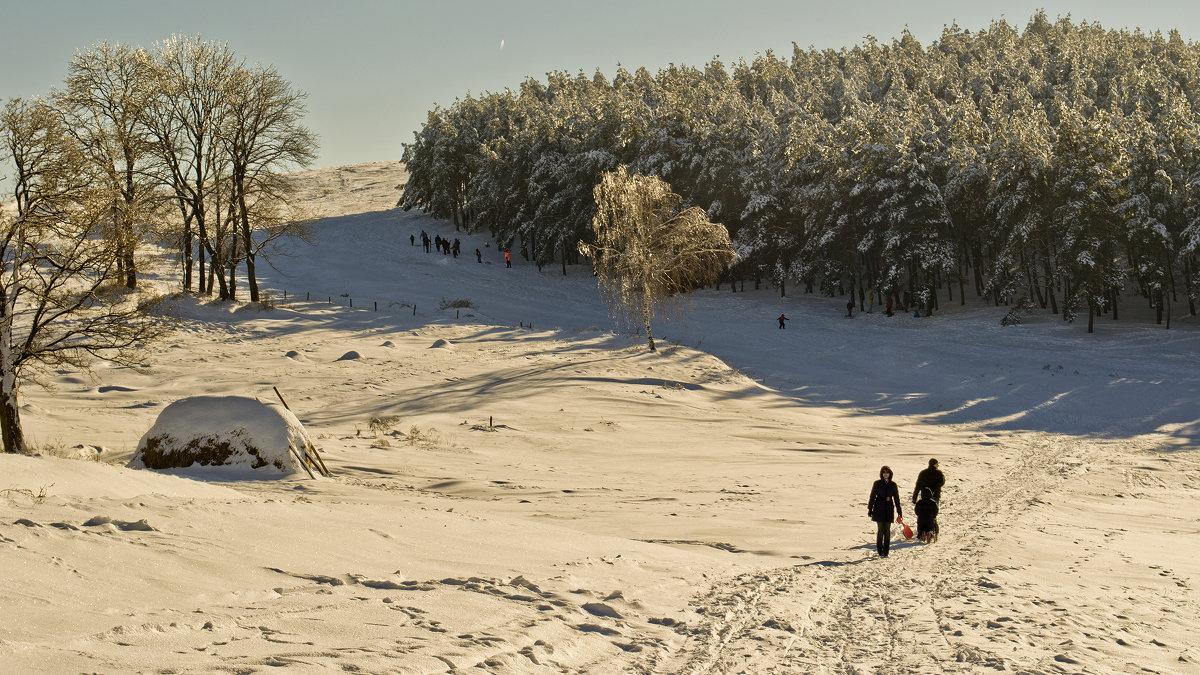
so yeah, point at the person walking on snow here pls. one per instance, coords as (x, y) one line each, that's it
(782, 318)
(508, 258)
(850, 307)
(884, 496)
(931, 478)
(927, 510)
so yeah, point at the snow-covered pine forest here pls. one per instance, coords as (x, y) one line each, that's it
(1049, 168)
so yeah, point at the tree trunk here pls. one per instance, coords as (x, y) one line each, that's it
(10, 416)
(1187, 285)
(128, 235)
(1168, 314)
(962, 278)
(248, 247)
(187, 249)
(1091, 316)
(1050, 287)
(232, 263)
(978, 269)
(128, 248)
(646, 319)
(202, 237)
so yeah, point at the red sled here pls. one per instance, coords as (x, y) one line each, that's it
(908, 533)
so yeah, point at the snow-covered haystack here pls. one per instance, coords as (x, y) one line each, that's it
(233, 431)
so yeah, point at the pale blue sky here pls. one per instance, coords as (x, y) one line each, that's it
(372, 68)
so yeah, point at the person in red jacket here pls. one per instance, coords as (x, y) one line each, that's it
(884, 496)
(508, 258)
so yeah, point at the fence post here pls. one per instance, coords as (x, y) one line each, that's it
(351, 302)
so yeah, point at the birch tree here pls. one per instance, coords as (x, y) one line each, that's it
(648, 249)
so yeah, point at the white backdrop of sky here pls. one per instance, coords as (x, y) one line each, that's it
(373, 68)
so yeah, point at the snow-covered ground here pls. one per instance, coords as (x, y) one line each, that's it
(521, 489)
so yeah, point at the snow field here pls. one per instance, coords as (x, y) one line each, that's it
(556, 498)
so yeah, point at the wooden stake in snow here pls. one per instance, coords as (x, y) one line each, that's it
(308, 446)
(304, 464)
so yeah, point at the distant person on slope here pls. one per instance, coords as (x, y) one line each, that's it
(931, 478)
(783, 318)
(508, 258)
(927, 510)
(884, 496)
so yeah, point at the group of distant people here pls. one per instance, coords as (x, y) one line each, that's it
(883, 506)
(447, 247)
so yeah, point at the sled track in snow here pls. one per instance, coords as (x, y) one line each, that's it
(865, 614)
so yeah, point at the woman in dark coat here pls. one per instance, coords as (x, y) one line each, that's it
(884, 495)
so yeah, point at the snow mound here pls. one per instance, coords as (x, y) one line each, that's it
(441, 344)
(350, 356)
(223, 431)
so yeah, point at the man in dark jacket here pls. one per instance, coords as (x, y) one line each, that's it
(884, 495)
(931, 478)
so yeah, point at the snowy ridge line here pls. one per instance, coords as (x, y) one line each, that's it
(867, 614)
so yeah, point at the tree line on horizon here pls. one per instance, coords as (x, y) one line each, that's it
(183, 145)
(1054, 167)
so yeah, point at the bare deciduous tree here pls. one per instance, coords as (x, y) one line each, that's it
(262, 138)
(103, 106)
(185, 115)
(58, 305)
(647, 250)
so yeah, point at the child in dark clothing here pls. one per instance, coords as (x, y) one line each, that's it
(927, 510)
